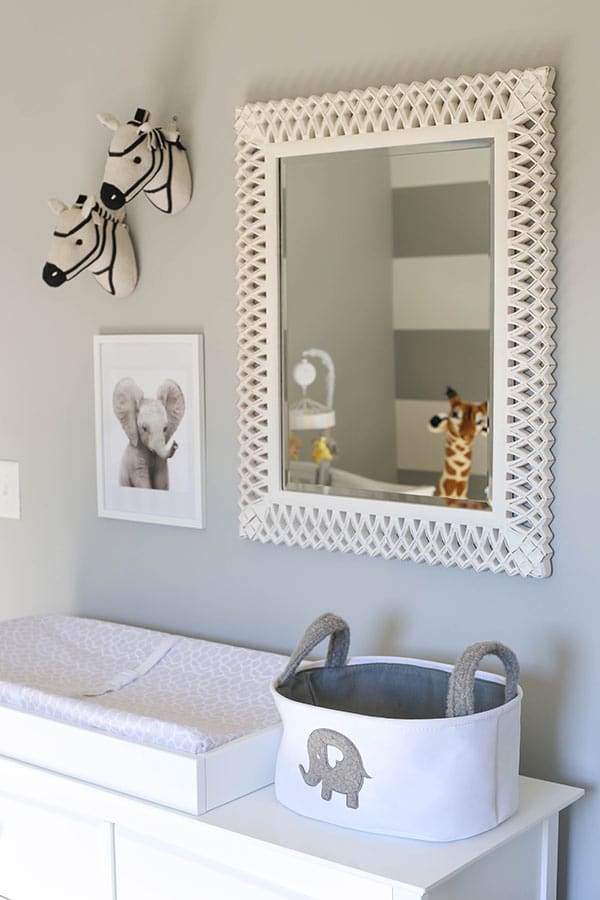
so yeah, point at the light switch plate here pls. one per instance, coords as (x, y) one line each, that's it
(10, 501)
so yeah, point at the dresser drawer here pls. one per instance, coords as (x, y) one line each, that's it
(154, 870)
(46, 854)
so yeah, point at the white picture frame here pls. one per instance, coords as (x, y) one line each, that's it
(142, 486)
(514, 110)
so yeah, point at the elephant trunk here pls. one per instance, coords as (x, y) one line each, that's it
(164, 450)
(311, 777)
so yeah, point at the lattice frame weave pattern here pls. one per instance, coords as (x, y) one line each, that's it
(523, 99)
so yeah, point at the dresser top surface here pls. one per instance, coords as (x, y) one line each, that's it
(420, 864)
(256, 825)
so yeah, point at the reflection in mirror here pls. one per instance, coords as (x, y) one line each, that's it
(386, 298)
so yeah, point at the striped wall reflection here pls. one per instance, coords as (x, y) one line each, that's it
(441, 288)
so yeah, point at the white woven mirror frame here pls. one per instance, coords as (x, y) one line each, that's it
(515, 109)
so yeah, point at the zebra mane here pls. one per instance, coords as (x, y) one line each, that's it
(159, 135)
(102, 211)
(98, 208)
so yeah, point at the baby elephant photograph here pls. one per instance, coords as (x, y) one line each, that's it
(150, 424)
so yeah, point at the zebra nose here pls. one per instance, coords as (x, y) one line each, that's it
(111, 196)
(53, 276)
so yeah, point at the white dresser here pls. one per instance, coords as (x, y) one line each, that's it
(62, 839)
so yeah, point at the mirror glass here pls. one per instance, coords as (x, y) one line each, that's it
(386, 308)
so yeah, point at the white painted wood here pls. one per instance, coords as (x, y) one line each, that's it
(363, 525)
(255, 841)
(514, 110)
(180, 781)
(407, 893)
(172, 779)
(507, 873)
(417, 863)
(110, 873)
(240, 767)
(156, 870)
(441, 292)
(46, 853)
(549, 858)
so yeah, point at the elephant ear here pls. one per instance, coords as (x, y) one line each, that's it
(171, 396)
(127, 397)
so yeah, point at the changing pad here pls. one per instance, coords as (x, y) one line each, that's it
(185, 722)
(183, 694)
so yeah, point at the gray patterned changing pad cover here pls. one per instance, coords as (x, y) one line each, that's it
(182, 694)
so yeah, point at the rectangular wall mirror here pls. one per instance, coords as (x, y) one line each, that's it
(386, 302)
(395, 283)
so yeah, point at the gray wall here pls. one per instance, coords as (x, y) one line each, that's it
(338, 286)
(63, 61)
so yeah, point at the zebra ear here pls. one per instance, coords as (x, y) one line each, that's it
(171, 133)
(57, 206)
(88, 207)
(108, 120)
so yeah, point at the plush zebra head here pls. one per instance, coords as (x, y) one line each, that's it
(144, 158)
(74, 243)
(87, 236)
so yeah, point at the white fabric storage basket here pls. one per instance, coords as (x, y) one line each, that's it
(402, 747)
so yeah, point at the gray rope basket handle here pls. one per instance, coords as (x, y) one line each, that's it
(461, 689)
(328, 625)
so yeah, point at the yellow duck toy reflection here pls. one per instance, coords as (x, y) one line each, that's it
(321, 451)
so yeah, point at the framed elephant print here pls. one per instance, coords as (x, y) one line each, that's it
(150, 441)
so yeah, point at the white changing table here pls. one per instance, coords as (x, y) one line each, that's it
(63, 839)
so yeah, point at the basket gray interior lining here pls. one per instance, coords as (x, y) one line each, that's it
(387, 690)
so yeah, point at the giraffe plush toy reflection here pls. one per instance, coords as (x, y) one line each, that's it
(462, 425)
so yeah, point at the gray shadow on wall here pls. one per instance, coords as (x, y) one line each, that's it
(544, 697)
(541, 726)
(388, 636)
(179, 57)
(404, 65)
(564, 841)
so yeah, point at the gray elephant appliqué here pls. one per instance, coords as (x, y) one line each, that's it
(345, 777)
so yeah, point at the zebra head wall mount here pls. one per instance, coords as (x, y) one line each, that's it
(148, 158)
(92, 234)
(88, 237)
